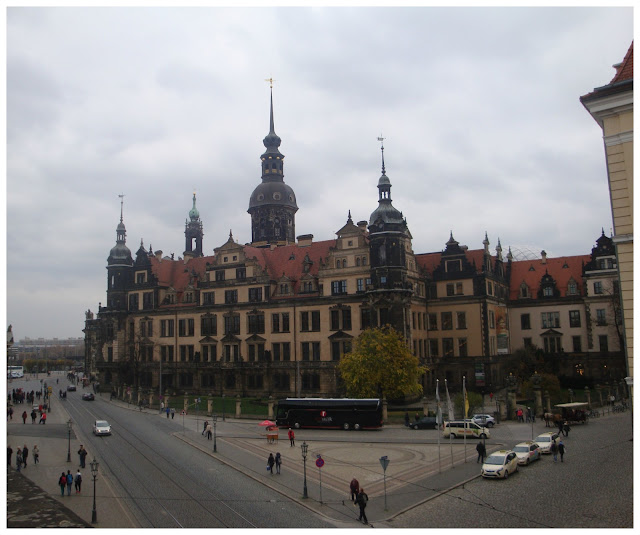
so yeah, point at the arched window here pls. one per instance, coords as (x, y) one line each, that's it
(358, 261)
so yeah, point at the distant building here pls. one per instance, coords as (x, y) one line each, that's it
(276, 316)
(612, 107)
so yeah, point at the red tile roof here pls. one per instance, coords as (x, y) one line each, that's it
(625, 70)
(561, 269)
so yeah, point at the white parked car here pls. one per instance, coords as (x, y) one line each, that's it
(101, 427)
(500, 464)
(527, 452)
(545, 439)
(485, 420)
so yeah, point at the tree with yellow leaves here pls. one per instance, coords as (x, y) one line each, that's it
(381, 365)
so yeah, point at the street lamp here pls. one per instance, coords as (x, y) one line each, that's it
(94, 472)
(215, 421)
(305, 447)
(69, 425)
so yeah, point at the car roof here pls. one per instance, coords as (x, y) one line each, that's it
(102, 422)
(547, 433)
(501, 452)
(526, 443)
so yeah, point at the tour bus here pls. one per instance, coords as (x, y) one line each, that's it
(15, 372)
(329, 413)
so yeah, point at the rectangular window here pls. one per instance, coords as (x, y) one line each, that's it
(446, 319)
(133, 302)
(166, 328)
(146, 328)
(182, 327)
(286, 351)
(552, 344)
(315, 320)
(338, 287)
(601, 316)
(550, 320)
(209, 353)
(577, 344)
(462, 320)
(574, 318)
(450, 289)
(360, 285)
(335, 320)
(241, 273)
(275, 323)
(525, 322)
(462, 347)
(604, 343)
(256, 323)
(147, 300)
(453, 266)
(433, 348)
(208, 298)
(285, 322)
(232, 324)
(275, 351)
(458, 288)
(597, 287)
(306, 352)
(447, 347)
(346, 319)
(315, 348)
(208, 326)
(335, 350)
(433, 321)
(365, 318)
(230, 296)
(220, 275)
(304, 320)
(255, 295)
(492, 319)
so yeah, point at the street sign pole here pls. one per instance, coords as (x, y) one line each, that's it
(384, 461)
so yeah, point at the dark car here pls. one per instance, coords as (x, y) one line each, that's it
(88, 396)
(426, 422)
(71, 388)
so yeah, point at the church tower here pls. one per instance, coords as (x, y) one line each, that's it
(119, 268)
(272, 205)
(193, 232)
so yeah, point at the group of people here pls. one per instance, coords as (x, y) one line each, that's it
(170, 411)
(558, 448)
(274, 461)
(359, 497)
(67, 480)
(22, 454)
(529, 415)
(207, 429)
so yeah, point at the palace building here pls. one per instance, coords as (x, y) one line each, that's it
(275, 316)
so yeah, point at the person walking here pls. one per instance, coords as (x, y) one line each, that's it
(69, 482)
(270, 462)
(561, 450)
(24, 417)
(554, 450)
(204, 427)
(43, 418)
(354, 486)
(482, 451)
(292, 437)
(278, 462)
(173, 412)
(168, 411)
(33, 416)
(62, 482)
(406, 419)
(78, 481)
(362, 500)
(18, 459)
(209, 430)
(566, 429)
(9, 453)
(82, 453)
(10, 413)
(36, 454)
(25, 454)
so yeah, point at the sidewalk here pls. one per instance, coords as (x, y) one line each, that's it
(25, 508)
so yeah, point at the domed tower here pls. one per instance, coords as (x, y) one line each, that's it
(272, 204)
(119, 268)
(193, 232)
(389, 242)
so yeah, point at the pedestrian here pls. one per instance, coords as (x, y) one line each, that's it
(204, 428)
(270, 462)
(209, 431)
(33, 416)
(482, 451)
(18, 459)
(354, 486)
(43, 418)
(561, 450)
(24, 417)
(362, 500)
(36, 454)
(78, 481)
(10, 413)
(62, 482)
(25, 454)
(528, 414)
(69, 482)
(559, 424)
(168, 411)
(173, 413)
(406, 419)
(82, 453)
(554, 450)
(566, 428)
(292, 437)
(9, 453)
(278, 462)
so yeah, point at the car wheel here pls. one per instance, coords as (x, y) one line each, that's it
(490, 424)
(527, 463)
(453, 435)
(482, 435)
(296, 425)
(357, 427)
(412, 426)
(345, 426)
(506, 474)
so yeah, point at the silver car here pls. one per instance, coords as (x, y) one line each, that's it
(101, 427)
(485, 420)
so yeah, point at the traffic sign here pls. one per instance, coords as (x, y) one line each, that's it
(319, 462)
(184, 412)
(384, 461)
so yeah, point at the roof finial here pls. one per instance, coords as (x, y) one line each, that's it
(121, 205)
(381, 140)
(271, 80)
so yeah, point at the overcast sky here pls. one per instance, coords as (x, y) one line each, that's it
(479, 108)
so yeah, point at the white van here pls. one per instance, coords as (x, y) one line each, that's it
(461, 428)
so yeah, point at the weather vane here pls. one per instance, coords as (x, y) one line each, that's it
(270, 80)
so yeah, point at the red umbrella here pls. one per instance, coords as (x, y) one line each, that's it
(267, 423)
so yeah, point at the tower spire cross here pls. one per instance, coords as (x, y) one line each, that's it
(381, 140)
(121, 205)
(270, 80)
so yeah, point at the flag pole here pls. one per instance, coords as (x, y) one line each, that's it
(451, 416)
(464, 415)
(438, 422)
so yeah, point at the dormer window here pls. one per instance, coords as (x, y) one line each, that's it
(524, 290)
(548, 291)
(572, 288)
(453, 266)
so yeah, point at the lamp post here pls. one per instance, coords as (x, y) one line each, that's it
(223, 408)
(305, 447)
(69, 425)
(215, 421)
(94, 472)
